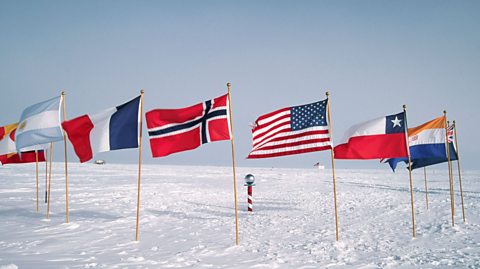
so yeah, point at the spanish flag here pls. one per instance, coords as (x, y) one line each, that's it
(7, 139)
(8, 152)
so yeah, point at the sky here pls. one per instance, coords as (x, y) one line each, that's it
(372, 56)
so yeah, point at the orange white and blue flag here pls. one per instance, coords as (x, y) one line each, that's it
(426, 141)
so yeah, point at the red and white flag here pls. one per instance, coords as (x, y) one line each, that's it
(291, 130)
(8, 151)
(383, 137)
(176, 130)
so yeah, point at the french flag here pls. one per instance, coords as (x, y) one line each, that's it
(384, 137)
(111, 129)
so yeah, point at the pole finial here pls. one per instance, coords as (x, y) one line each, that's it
(63, 92)
(228, 84)
(327, 94)
(404, 107)
(142, 91)
(444, 112)
(453, 121)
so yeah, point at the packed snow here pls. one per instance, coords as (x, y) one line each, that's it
(187, 219)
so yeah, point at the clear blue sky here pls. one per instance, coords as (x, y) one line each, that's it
(373, 56)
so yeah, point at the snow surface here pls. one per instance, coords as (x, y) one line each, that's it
(187, 219)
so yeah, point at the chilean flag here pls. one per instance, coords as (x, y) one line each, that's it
(383, 137)
(111, 129)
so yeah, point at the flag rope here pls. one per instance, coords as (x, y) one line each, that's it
(409, 171)
(36, 170)
(49, 180)
(459, 170)
(46, 175)
(139, 163)
(452, 202)
(233, 166)
(333, 166)
(66, 161)
(426, 188)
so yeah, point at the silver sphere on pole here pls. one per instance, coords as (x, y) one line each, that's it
(249, 180)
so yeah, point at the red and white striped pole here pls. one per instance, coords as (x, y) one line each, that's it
(249, 199)
(249, 182)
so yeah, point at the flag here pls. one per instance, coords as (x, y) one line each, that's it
(419, 163)
(384, 137)
(39, 124)
(8, 151)
(111, 129)
(291, 130)
(176, 130)
(7, 139)
(427, 145)
(450, 133)
(24, 157)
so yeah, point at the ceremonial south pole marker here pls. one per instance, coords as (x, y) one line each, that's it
(249, 182)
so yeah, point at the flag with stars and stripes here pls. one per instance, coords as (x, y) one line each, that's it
(291, 130)
(176, 130)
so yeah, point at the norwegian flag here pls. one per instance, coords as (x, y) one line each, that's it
(176, 130)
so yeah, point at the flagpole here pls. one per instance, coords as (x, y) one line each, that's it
(46, 174)
(409, 171)
(333, 166)
(233, 166)
(49, 180)
(139, 164)
(452, 202)
(426, 189)
(36, 168)
(459, 170)
(65, 146)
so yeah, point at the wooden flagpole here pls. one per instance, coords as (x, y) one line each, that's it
(46, 174)
(333, 166)
(452, 202)
(139, 163)
(49, 180)
(36, 168)
(66, 162)
(233, 166)
(426, 188)
(409, 170)
(459, 170)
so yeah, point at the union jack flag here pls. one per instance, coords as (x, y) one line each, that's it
(450, 132)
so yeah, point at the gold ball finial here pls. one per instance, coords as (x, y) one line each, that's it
(142, 91)
(63, 92)
(228, 84)
(327, 94)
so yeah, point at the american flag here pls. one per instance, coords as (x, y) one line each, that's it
(291, 130)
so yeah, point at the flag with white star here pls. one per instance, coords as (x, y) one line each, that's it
(291, 130)
(383, 137)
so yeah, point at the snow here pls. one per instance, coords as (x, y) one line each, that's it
(187, 219)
